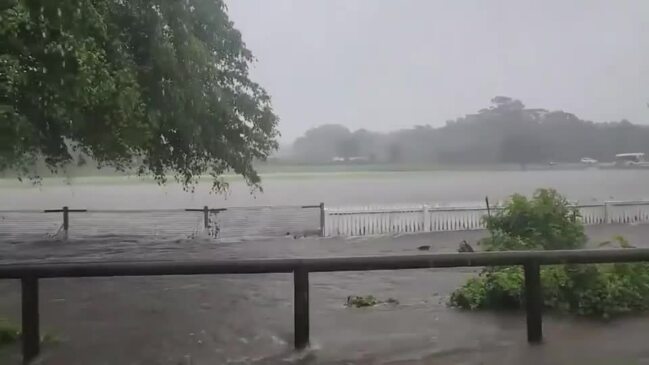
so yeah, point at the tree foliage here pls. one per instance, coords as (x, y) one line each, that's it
(504, 132)
(547, 221)
(155, 86)
(322, 143)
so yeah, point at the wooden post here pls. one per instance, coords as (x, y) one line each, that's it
(30, 319)
(533, 302)
(206, 217)
(486, 199)
(322, 220)
(66, 221)
(301, 307)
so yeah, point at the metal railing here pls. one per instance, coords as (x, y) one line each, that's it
(29, 274)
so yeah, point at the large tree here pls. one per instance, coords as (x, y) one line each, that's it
(160, 87)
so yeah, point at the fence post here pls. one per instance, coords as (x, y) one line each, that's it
(66, 222)
(607, 217)
(301, 307)
(426, 214)
(206, 217)
(30, 319)
(533, 302)
(322, 220)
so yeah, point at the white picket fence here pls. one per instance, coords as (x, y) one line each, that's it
(385, 220)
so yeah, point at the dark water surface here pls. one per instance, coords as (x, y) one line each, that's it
(248, 319)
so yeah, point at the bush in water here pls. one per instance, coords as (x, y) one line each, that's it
(546, 222)
(8, 334)
(367, 301)
(361, 301)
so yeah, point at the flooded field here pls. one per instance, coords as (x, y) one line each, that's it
(277, 211)
(248, 319)
(342, 188)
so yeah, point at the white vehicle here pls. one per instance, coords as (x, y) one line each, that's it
(588, 161)
(631, 159)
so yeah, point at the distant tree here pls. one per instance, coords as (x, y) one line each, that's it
(159, 87)
(523, 149)
(506, 103)
(365, 143)
(323, 143)
(504, 132)
(394, 153)
(347, 147)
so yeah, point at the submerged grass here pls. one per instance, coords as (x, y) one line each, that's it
(356, 301)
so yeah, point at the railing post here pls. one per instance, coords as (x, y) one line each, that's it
(30, 319)
(66, 222)
(533, 302)
(607, 218)
(301, 307)
(206, 217)
(322, 220)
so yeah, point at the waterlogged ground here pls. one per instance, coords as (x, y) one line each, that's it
(247, 319)
(333, 188)
(285, 192)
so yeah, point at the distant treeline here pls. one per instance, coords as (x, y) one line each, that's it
(506, 132)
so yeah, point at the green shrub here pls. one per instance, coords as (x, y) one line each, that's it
(546, 222)
(8, 333)
(497, 289)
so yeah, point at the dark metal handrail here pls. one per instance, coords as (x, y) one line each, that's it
(328, 264)
(530, 260)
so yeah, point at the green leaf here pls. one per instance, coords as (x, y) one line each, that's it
(153, 87)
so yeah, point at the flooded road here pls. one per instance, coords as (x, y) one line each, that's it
(248, 319)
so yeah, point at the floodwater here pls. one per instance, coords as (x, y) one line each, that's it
(248, 319)
(348, 188)
(277, 210)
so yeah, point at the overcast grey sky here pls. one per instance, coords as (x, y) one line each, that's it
(384, 65)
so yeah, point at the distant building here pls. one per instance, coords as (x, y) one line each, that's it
(350, 159)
